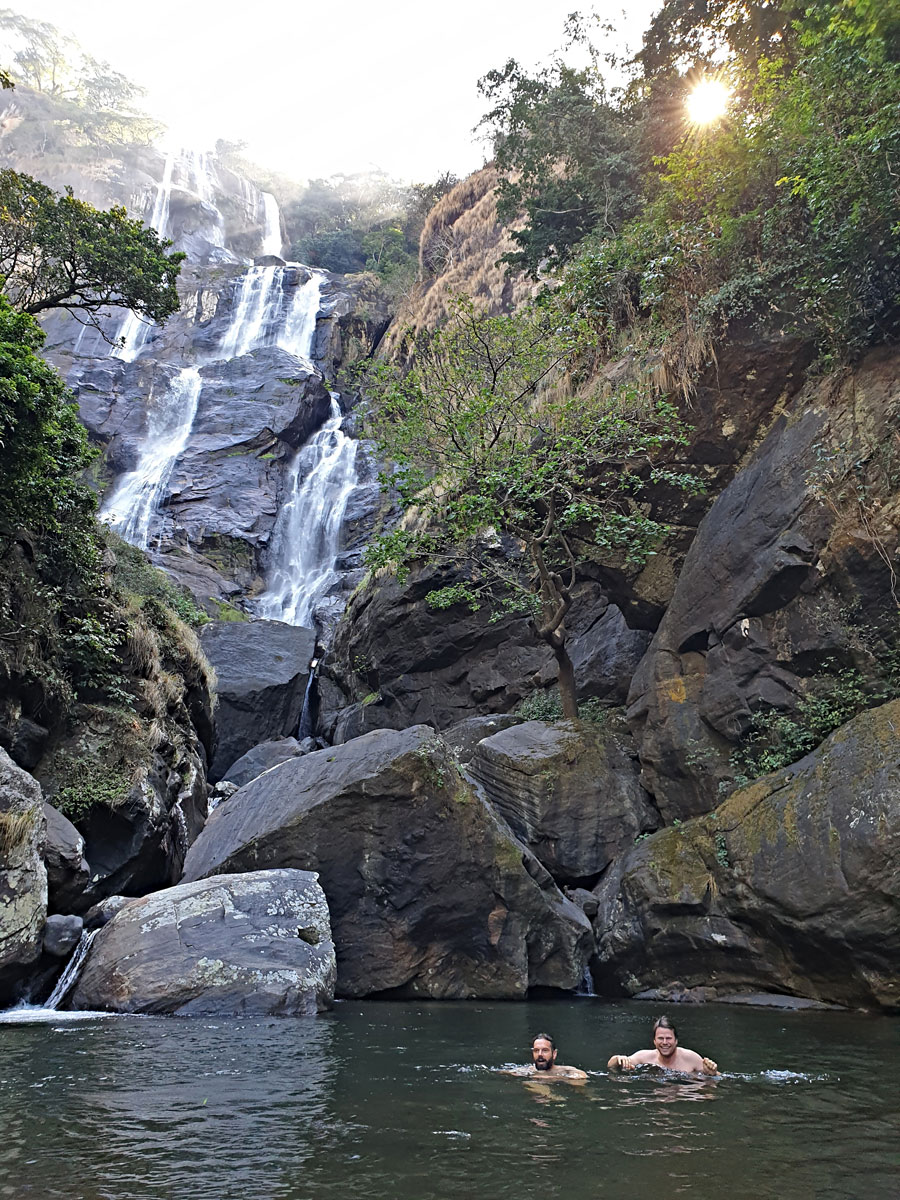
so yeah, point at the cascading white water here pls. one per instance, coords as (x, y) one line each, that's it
(257, 307)
(305, 541)
(202, 182)
(134, 501)
(133, 331)
(298, 329)
(266, 314)
(272, 243)
(67, 980)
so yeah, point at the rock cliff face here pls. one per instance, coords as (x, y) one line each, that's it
(789, 886)
(768, 620)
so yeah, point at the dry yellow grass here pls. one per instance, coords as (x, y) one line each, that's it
(458, 254)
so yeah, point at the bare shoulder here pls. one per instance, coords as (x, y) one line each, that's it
(570, 1073)
(641, 1058)
(519, 1072)
(689, 1060)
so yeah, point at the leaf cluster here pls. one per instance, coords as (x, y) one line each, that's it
(60, 252)
(506, 470)
(787, 212)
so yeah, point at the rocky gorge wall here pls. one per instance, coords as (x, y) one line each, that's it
(462, 849)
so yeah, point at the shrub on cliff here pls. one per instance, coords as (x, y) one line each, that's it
(514, 478)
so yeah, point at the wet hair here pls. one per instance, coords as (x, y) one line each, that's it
(543, 1037)
(663, 1022)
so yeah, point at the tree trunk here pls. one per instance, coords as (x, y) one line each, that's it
(566, 675)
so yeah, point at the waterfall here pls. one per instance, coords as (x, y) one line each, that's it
(299, 327)
(67, 980)
(133, 331)
(136, 497)
(305, 540)
(267, 314)
(258, 303)
(201, 182)
(272, 243)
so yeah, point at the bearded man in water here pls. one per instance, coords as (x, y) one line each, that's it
(666, 1054)
(544, 1064)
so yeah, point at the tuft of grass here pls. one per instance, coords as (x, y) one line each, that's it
(15, 829)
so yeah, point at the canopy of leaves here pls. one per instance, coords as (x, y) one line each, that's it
(482, 448)
(787, 211)
(570, 156)
(59, 252)
(43, 445)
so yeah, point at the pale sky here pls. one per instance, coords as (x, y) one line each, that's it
(316, 89)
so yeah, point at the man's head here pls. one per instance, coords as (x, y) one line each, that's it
(664, 1037)
(543, 1052)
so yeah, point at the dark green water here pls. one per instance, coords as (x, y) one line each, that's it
(403, 1102)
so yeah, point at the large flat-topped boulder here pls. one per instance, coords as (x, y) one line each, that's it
(791, 886)
(569, 790)
(23, 877)
(262, 669)
(253, 944)
(430, 894)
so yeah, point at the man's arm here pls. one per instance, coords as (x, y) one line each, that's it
(700, 1066)
(627, 1062)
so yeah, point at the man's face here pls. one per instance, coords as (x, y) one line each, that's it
(542, 1054)
(665, 1042)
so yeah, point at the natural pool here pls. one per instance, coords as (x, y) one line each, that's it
(403, 1102)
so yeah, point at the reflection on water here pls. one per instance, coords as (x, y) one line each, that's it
(407, 1102)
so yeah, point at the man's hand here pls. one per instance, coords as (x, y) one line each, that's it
(709, 1067)
(621, 1062)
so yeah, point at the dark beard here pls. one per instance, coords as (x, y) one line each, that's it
(542, 1065)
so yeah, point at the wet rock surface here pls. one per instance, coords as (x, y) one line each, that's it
(791, 886)
(430, 894)
(253, 944)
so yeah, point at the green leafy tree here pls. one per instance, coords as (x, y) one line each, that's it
(43, 446)
(59, 252)
(568, 154)
(509, 480)
(787, 211)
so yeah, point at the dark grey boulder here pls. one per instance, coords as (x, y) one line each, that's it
(67, 868)
(260, 758)
(569, 790)
(62, 934)
(605, 652)
(430, 894)
(782, 587)
(464, 736)
(262, 669)
(791, 886)
(250, 944)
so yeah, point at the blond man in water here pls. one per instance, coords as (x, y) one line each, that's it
(666, 1053)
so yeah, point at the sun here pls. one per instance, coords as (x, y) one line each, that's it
(708, 102)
